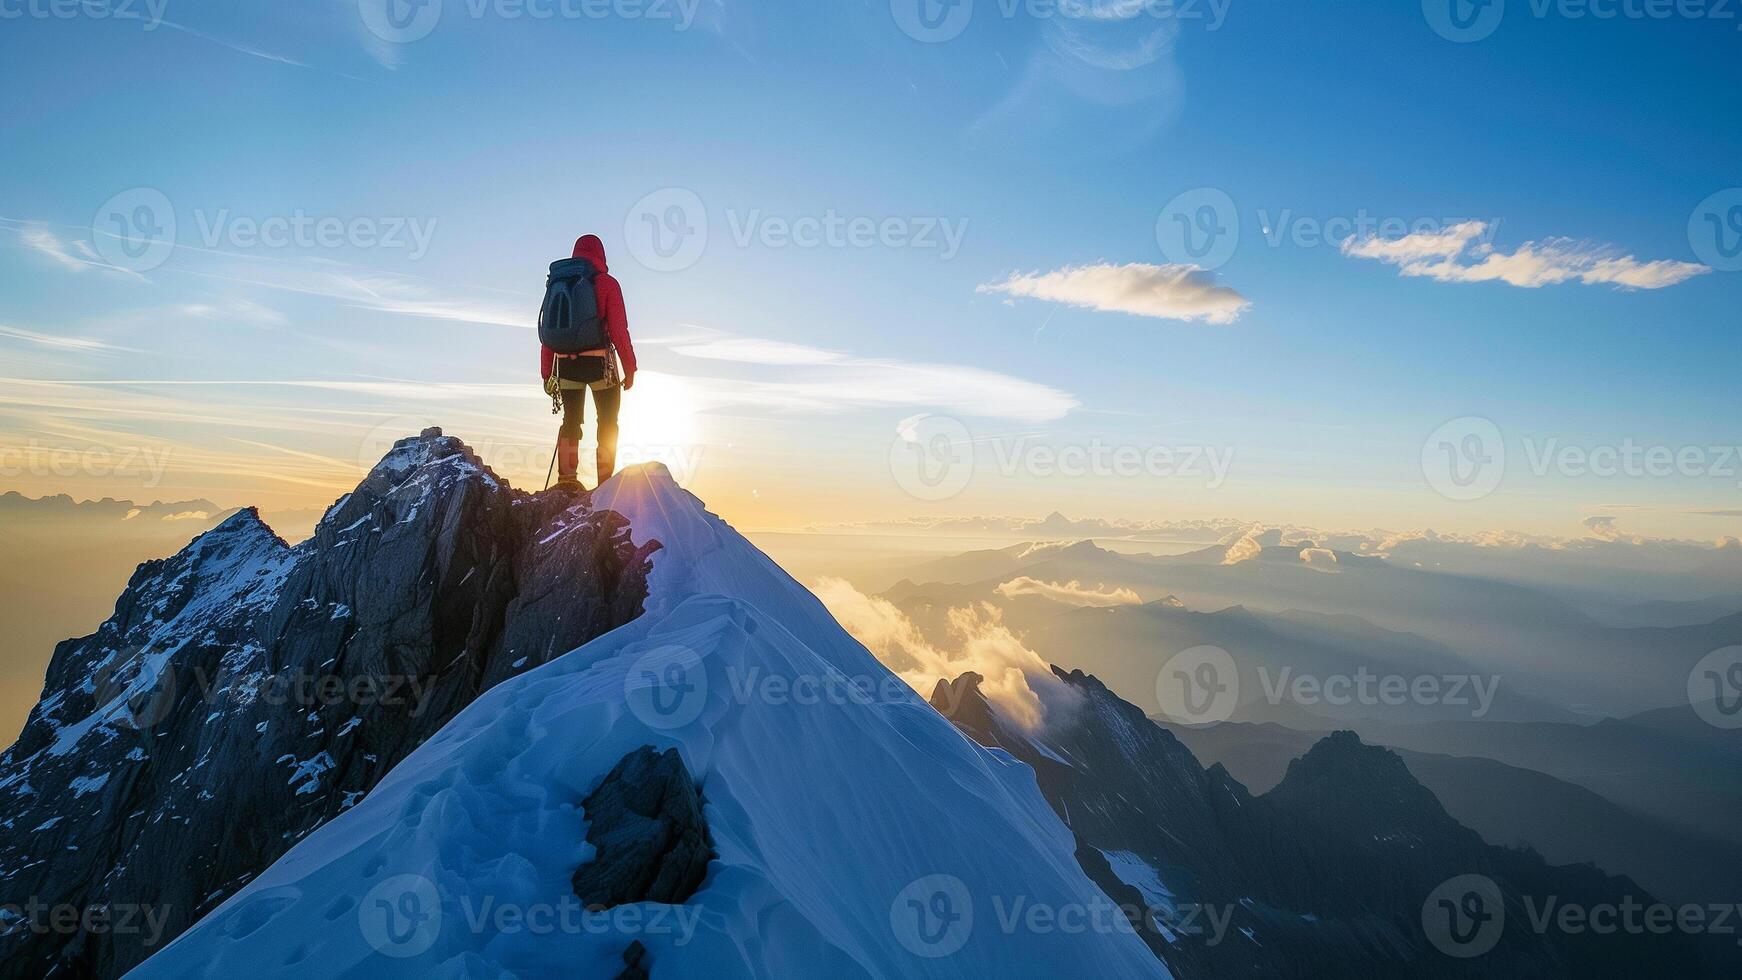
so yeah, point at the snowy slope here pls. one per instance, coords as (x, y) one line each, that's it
(857, 832)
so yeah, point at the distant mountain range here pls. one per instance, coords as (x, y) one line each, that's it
(1553, 660)
(1566, 822)
(1348, 867)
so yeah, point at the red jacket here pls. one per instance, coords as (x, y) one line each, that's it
(610, 306)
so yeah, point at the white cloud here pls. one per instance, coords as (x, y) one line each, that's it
(1459, 254)
(1166, 292)
(1070, 593)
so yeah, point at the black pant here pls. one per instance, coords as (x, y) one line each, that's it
(607, 401)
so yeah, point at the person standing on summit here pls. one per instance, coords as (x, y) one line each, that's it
(584, 343)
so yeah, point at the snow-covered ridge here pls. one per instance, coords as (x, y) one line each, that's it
(856, 836)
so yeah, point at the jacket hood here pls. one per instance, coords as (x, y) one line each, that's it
(589, 247)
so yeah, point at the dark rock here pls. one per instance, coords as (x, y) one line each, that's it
(1325, 875)
(246, 692)
(645, 824)
(632, 960)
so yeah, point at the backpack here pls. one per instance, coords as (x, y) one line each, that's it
(569, 322)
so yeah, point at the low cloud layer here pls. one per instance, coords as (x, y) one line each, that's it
(1165, 292)
(1017, 680)
(1461, 253)
(1069, 593)
(1604, 528)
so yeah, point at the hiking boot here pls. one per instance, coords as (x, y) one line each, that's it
(568, 462)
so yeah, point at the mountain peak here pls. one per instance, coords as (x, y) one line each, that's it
(246, 521)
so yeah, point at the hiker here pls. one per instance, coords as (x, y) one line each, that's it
(583, 338)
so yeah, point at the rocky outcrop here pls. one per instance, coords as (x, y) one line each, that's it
(246, 692)
(645, 824)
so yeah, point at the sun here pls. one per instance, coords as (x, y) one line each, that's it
(659, 423)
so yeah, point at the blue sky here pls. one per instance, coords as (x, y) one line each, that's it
(780, 377)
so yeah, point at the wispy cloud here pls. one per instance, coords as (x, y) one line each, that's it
(813, 379)
(74, 256)
(754, 350)
(1165, 292)
(56, 342)
(237, 46)
(1457, 254)
(44, 242)
(252, 51)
